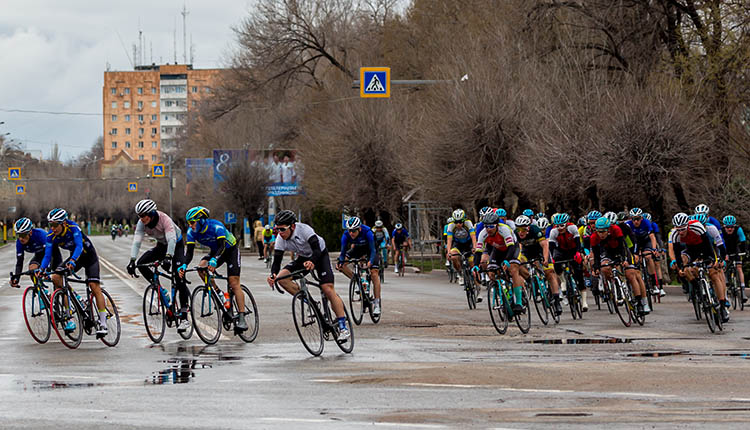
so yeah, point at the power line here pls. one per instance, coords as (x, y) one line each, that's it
(48, 112)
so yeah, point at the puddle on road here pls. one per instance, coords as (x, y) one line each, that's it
(56, 385)
(180, 372)
(579, 341)
(659, 354)
(563, 414)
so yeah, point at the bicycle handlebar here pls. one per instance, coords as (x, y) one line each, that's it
(297, 274)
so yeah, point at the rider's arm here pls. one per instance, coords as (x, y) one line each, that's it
(278, 255)
(545, 249)
(189, 253)
(654, 244)
(137, 239)
(170, 233)
(596, 249)
(47, 252)
(221, 243)
(19, 257)
(78, 239)
(344, 243)
(315, 247)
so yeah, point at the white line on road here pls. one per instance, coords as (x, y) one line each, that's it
(330, 381)
(358, 423)
(424, 384)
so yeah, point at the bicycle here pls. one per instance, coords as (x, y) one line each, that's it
(733, 283)
(571, 291)
(67, 305)
(318, 325)
(158, 311)
(621, 295)
(361, 292)
(499, 299)
(705, 295)
(470, 286)
(213, 309)
(540, 293)
(400, 262)
(36, 305)
(651, 282)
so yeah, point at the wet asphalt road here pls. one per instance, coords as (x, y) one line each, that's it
(430, 363)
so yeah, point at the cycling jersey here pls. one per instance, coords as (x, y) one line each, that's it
(308, 246)
(210, 235)
(695, 241)
(642, 234)
(501, 240)
(736, 241)
(478, 228)
(363, 244)
(714, 222)
(70, 239)
(400, 236)
(161, 228)
(35, 245)
(461, 234)
(531, 245)
(628, 233)
(267, 233)
(299, 241)
(381, 235)
(612, 247)
(568, 240)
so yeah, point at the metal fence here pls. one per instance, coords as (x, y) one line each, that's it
(425, 222)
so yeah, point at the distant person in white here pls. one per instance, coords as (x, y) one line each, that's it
(276, 169)
(288, 174)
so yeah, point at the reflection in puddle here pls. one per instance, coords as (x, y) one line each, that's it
(579, 341)
(56, 385)
(657, 354)
(180, 372)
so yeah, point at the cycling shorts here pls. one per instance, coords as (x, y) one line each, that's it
(498, 256)
(322, 267)
(461, 248)
(90, 261)
(231, 256)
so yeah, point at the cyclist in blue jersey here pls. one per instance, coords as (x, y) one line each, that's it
(703, 209)
(461, 240)
(382, 240)
(445, 241)
(31, 240)
(662, 268)
(646, 245)
(357, 242)
(65, 234)
(736, 243)
(222, 247)
(399, 238)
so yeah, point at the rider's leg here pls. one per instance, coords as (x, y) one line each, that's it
(515, 274)
(290, 286)
(718, 284)
(336, 303)
(234, 284)
(346, 270)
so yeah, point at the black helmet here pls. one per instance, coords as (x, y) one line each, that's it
(285, 217)
(491, 218)
(622, 216)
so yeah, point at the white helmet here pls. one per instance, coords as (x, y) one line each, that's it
(459, 215)
(23, 225)
(542, 223)
(523, 221)
(267, 227)
(353, 223)
(612, 217)
(57, 215)
(145, 207)
(378, 223)
(701, 209)
(680, 219)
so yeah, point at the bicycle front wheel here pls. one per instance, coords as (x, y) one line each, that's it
(36, 314)
(348, 345)
(539, 294)
(176, 300)
(63, 313)
(206, 311)
(356, 300)
(113, 319)
(497, 309)
(471, 296)
(251, 316)
(523, 321)
(620, 303)
(308, 323)
(154, 318)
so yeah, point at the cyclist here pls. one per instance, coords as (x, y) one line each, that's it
(449, 221)
(268, 238)
(703, 209)
(691, 240)
(735, 242)
(113, 231)
(565, 244)
(382, 239)
(480, 225)
(65, 234)
(399, 238)
(311, 254)
(222, 247)
(498, 246)
(169, 250)
(31, 240)
(662, 268)
(461, 240)
(534, 246)
(543, 224)
(503, 215)
(608, 245)
(356, 242)
(645, 243)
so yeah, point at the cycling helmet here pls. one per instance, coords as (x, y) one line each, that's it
(378, 223)
(542, 223)
(728, 221)
(559, 219)
(602, 223)
(701, 218)
(611, 217)
(491, 218)
(483, 211)
(622, 216)
(57, 215)
(647, 216)
(145, 207)
(450, 220)
(24, 225)
(594, 215)
(528, 212)
(540, 215)
(267, 227)
(398, 226)
(636, 212)
(523, 221)
(581, 221)
(459, 215)
(197, 213)
(701, 209)
(353, 223)
(286, 217)
(680, 219)
(501, 212)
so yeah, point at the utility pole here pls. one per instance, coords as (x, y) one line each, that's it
(184, 33)
(169, 158)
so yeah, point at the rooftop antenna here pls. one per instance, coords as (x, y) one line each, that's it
(135, 55)
(192, 49)
(140, 42)
(184, 32)
(151, 43)
(174, 40)
(124, 49)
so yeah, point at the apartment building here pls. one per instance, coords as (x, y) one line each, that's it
(146, 110)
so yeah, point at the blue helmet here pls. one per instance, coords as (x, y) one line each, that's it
(501, 212)
(528, 212)
(483, 211)
(57, 215)
(559, 219)
(636, 212)
(602, 223)
(24, 225)
(594, 215)
(728, 221)
(353, 223)
(582, 221)
(647, 216)
(541, 215)
(197, 213)
(701, 218)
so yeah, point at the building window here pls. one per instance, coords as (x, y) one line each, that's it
(114, 105)
(153, 144)
(127, 118)
(153, 158)
(127, 131)
(194, 103)
(207, 89)
(180, 116)
(140, 157)
(113, 132)
(140, 144)
(140, 132)
(126, 105)
(140, 105)
(166, 117)
(113, 91)
(163, 130)
(195, 89)
(114, 117)
(127, 90)
(168, 103)
(153, 104)
(153, 90)
(114, 145)
(140, 90)
(153, 130)
(153, 117)
(166, 90)
(140, 118)
(127, 144)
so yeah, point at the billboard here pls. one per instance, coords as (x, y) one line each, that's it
(224, 158)
(195, 168)
(285, 171)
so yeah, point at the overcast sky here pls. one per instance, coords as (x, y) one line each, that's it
(53, 55)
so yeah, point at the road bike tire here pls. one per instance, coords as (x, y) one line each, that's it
(37, 319)
(356, 300)
(539, 295)
(496, 307)
(308, 323)
(697, 302)
(606, 292)
(401, 263)
(61, 315)
(708, 306)
(523, 321)
(154, 317)
(742, 294)
(734, 288)
(114, 330)
(573, 298)
(623, 311)
(471, 292)
(638, 317)
(207, 315)
(251, 316)
(346, 346)
(187, 334)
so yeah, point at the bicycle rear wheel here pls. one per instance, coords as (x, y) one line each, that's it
(36, 314)
(61, 314)
(187, 334)
(356, 300)
(734, 289)
(471, 297)
(207, 318)
(113, 319)
(523, 321)
(497, 308)
(539, 294)
(154, 317)
(622, 310)
(348, 345)
(251, 316)
(307, 322)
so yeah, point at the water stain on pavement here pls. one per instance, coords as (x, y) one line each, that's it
(579, 341)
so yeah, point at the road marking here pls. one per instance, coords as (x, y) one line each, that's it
(641, 394)
(331, 381)
(8, 338)
(358, 423)
(423, 384)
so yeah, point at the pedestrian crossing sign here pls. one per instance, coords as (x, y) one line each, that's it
(132, 187)
(14, 173)
(375, 82)
(20, 189)
(157, 170)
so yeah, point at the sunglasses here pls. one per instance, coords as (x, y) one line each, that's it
(282, 229)
(353, 230)
(602, 230)
(54, 224)
(523, 229)
(490, 226)
(560, 226)
(24, 235)
(637, 218)
(681, 228)
(728, 226)
(458, 222)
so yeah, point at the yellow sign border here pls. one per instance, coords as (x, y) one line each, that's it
(19, 173)
(136, 187)
(154, 173)
(23, 191)
(362, 83)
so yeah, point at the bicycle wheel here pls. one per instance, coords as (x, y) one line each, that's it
(708, 305)
(348, 345)
(154, 317)
(61, 314)
(539, 294)
(401, 263)
(523, 321)
(639, 317)
(734, 289)
(742, 294)
(206, 311)
(607, 296)
(697, 303)
(113, 319)
(497, 308)
(471, 297)
(176, 300)
(251, 316)
(307, 322)
(356, 300)
(622, 310)
(36, 314)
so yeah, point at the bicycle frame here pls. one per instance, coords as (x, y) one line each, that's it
(228, 315)
(329, 325)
